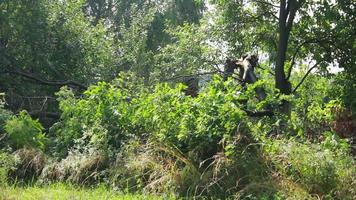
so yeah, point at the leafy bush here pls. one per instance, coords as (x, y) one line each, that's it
(23, 131)
(99, 119)
(109, 114)
(313, 108)
(7, 163)
(193, 131)
(191, 123)
(4, 116)
(202, 146)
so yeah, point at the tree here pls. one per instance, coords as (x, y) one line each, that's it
(45, 45)
(287, 12)
(289, 33)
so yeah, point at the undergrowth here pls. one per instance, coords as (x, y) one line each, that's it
(159, 141)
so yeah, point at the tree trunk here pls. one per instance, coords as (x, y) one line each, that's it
(287, 13)
(281, 82)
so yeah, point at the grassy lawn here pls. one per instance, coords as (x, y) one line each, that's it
(60, 191)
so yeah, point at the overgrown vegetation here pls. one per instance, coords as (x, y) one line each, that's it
(161, 141)
(134, 99)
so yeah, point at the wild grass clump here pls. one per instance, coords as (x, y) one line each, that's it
(29, 165)
(153, 168)
(81, 168)
(320, 170)
(156, 167)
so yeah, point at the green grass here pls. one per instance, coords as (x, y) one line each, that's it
(61, 191)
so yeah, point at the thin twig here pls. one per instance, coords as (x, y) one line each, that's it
(266, 3)
(190, 75)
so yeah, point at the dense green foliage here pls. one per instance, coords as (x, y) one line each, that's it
(4, 115)
(110, 115)
(23, 131)
(161, 140)
(136, 96)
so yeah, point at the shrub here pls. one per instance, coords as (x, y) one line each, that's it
(29, 165)
(4, 116)
(153, 168)
(7, 163)
(23, 131)
(168, 142)
(101, 118)
(110, 114)
(192, 123)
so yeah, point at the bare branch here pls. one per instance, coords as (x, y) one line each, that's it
(269, 71)
(305, 76)
(47, 82)
(190, 75)
(293, 59)
(37, 114)
(13, 62)
(273, 15)
(297, 52)
(38, 97)
(266, 3)
(264, 113)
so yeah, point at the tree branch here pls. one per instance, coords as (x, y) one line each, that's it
(47, 82)
(292, 10)
(190, 75)
(266, 3)
(294, 57)
(282, 10)
(310, 41)
(264, 113)
(37, 114)
(13, 62)
(305, 76)
(270, 72)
